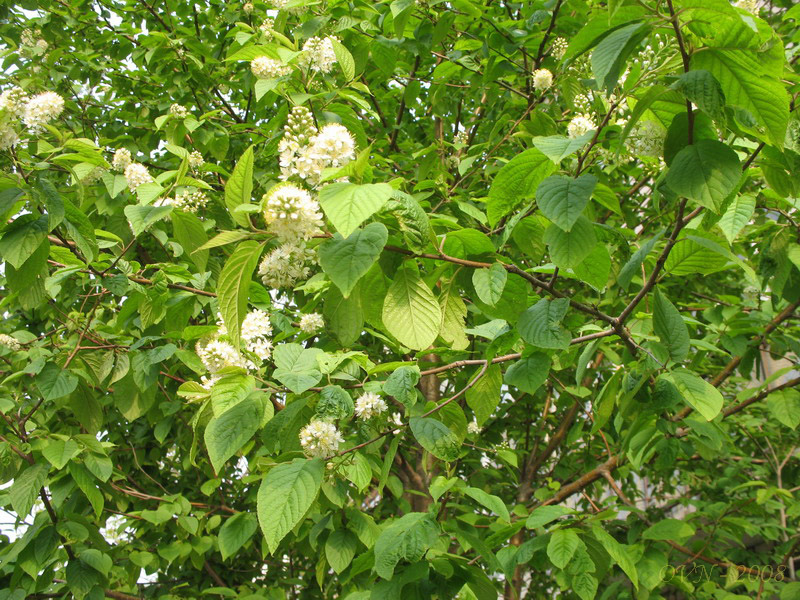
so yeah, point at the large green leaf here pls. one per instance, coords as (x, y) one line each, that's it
(562, 199)
(227, 433)
(348, 205)
(489, 283)
(569, 248)
(235, 532)
(54, 382)
(285, 494)
(239, 187)
(409, 537)
(669, 529)
(540, 325)
(297, 367)
(546, 514)
(484, 396)
(21, 239)
(436, 437)
(669, 327)
(516, 181)
(529, 373)
(410, 311)
(737, 216)
(559, 147)
(233, 286)
(785, 406)
(705, 172)
(401, 385)
(142, 217)
(698, 393)
(608, 58)
(562, 545)
(704, 90)
(25, 489)
(191, 234)
(490, 501)
(346, 260)
(340, 548)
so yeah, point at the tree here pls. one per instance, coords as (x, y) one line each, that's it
(402, 299)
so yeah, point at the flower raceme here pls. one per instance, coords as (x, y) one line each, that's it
(291, 213)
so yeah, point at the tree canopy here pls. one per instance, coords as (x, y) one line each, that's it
(403, 299)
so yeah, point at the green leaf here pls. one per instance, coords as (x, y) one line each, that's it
(484, 396)
(88, 485)
(562, 199)
(191, 235)
(340, 548)
(546, 514)
(346, 260)
(436, 438)
(25, 489)
(409, 537)
(239, 187)
(569, 248)
(558, 147)
(562, 545)
(669, 327)
(54, 382)
(233, 286)
(344, 316)
(454, 313)
(618, 552)
(297, 367)
(698, 393)
(608, 58)
(705, 172)
(142, 217)
(630, 268)
(517, 181)
(785, 406)
(410, 311)
(669, 529)
(59, 452)
(540, 325)
(285, 495)
(235, 532)
(595, 269)
(737, 215)
(347, 205)
(345, 61)
(413, 221)
(529, 373)
(745, 85)
(229, 391)
(81, 230)
(402, 385)
(227, 433)
(334, 403)
(701, 88)
(22, 238)
(490, 501)
(489, 283)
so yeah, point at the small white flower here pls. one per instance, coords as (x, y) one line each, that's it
(14, 101)
(267, 26)
(291, 213)
(122, 158)
(646, 139)
(265, 67)
(318, 54)
(559, 48)
(195, 159)
(137, 174)
(369, 405)
(580, 125)
(42, 109)
(461, 138)
(397, 419)
(542, 79)
(94, 175)
(311, 323)
(218, 354)
(8, 137)
(208, 382)
(473, 427)
(334, 144)
(178, 111)
(247, 8)
(320, 439)
(256, 324)
(186, 200)
(261, 347)
(9, 342)
(286, 265)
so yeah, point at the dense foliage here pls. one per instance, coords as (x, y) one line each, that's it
(433, 299)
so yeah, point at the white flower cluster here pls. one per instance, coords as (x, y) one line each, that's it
(291, 213)
(137, 174)
(320, 439)
(542, 79)
(196, 160)
(582, 102)
(473, 428)
(559, 48)
(311, 323)
(8, 137)
(461, 138)
(286, 265)
(751, 6)
(646, 139)
(369, 405)
(247, 8)
(186, 200)
(306, 153)
(318, 54)
(256, 329)
(217, 353)
(122, 158)
(41, 109)
(178, 111)
(30, 40)
(94, 175)
(579, 125)
(265, 67)
(653, 55)
(9, 342)
(266, 27)
(13, 101)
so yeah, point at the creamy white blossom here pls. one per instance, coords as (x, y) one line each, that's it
(286, 265)
(461, 138)
(542, 79)
(42, 109)
(318, 54)
(247, 8)
(334, 144)
(311, 323)
(473, 427)
(217, 354)
(8, 137)
(320, 439)
(582, 102)
(137, 174)
(42, 45)
(646, 139)
(9, 342)
(178, 111)
(397, 418)
(267, 26)
(559, 48)
(261, 347)
(208, 382)
(14, 100)
(122, 158)
(195, 159)
(256, 324)
(94, 175)
(187, 200)
(291, 213)
(579, 125)
(748, 5)
(265, 67)
(369, 405)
